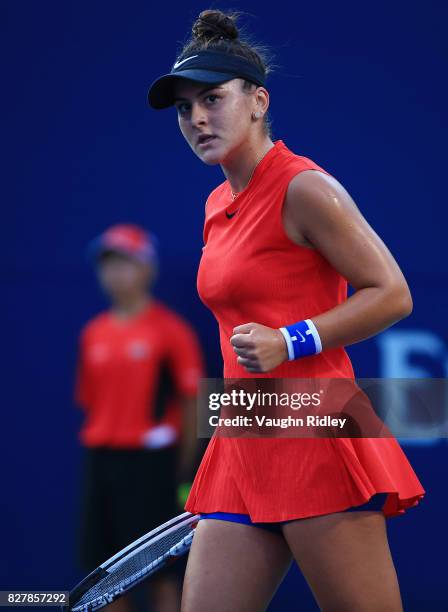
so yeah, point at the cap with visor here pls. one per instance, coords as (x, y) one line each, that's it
(204, 67)
(126, 239)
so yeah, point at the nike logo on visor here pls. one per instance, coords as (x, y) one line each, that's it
(177, 64)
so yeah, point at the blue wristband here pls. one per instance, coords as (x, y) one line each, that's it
(302, 339)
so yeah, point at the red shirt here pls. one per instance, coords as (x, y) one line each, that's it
(132, 370)
(250, 271)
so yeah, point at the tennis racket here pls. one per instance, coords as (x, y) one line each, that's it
(137, 561)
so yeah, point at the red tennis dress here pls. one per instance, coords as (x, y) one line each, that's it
(251, 271)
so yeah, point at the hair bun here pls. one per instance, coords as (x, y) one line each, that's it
(214, 24)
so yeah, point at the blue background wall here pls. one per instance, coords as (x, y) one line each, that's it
(360, 89)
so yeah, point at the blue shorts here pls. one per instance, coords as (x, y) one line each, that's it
(376, 503)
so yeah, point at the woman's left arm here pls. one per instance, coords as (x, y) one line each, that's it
(321, 212)
(325, 214)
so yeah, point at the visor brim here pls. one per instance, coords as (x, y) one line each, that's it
(161, 92)
(96, 250)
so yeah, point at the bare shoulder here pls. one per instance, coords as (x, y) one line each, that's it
(315, 199)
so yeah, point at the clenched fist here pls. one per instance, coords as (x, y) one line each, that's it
(259, 348)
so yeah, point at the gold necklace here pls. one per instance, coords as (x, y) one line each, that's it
(235, 195)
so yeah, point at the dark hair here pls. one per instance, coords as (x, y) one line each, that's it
(217, 31)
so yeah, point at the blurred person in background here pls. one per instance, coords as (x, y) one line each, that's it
(138, 372)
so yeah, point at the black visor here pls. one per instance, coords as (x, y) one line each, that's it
(204, 67)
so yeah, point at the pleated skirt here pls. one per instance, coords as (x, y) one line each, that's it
(278, 479)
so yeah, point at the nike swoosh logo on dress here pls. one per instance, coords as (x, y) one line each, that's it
(230, 215)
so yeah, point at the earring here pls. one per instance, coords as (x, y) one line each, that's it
(256, 115)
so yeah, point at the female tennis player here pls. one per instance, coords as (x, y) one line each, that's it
(282, 238)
